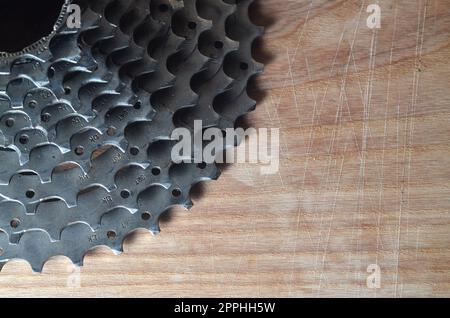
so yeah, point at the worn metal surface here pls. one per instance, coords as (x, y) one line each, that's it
(86, 117)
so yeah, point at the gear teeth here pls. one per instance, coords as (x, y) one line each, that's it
(86, 127)
(78, 238)
(40, 47)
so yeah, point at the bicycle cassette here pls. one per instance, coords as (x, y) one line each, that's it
(87, 115)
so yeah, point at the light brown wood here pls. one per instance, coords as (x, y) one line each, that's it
(364, 176)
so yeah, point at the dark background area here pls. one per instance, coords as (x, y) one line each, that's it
(23, 22)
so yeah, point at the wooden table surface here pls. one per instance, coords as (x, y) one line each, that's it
(364, 179)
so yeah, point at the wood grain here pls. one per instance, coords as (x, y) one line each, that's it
(364, 173)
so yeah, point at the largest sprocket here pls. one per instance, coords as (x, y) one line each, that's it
(86, 117)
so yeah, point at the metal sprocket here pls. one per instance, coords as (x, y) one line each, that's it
(86, 117)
